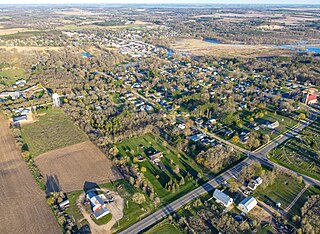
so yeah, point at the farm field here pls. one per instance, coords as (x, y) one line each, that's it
(23, 208)
(199, 48)
(68, 168)
(53, 130)
(301, 154)
(139, 145)
(284, 189)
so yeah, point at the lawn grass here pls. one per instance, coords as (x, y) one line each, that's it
(52, 131)
(9, 76)
(103, 220)
(295, 210)
(186, 164)
(73, 209)
(284, 189)
(164, 228)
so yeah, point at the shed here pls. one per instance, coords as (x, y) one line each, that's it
(247, 204)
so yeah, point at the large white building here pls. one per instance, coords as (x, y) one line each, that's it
(222, 198)
(247, 204)
(56, 99)
(98, 205)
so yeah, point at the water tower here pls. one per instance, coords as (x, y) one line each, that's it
(56, 99)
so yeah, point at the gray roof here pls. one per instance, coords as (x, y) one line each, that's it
(222, 197)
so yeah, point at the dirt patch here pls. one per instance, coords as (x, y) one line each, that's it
(67, 169)
(23, 208)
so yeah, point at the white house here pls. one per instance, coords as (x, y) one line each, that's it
(273, 125)
(253, 184)
(247, 204)
(98, 205)
(222, 198)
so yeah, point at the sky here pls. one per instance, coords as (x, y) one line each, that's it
(160, 1)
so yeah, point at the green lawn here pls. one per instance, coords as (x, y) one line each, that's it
(186, 164)
(295, 210)
(9, 76)
(165, 228)
(284, 189)
(301, 154)
(103, 220)
(52, 131)
(73, 209)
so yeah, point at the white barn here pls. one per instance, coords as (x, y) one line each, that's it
(247, 204)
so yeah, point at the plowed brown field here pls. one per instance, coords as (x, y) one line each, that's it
(23, 208)
(68, 168)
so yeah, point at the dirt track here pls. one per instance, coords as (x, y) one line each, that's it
(23, 208)
(68, 168)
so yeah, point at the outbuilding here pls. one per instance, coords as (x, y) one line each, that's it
(247, 204)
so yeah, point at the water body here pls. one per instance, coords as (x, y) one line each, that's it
(212, 41)
(301, 48)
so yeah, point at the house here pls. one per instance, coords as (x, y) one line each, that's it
(311, 99)
(212, 121)
(19, 119)
(64, 204)
(222, 198)
(98, 205)
(273, 125)
(156, 157)
(253, 184)
(247, 204)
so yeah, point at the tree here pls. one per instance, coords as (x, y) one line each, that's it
(143, 169)
(235, 139)
(138, 198)
(156, 201)
(176, 169)
(302, 116)
(182, 182)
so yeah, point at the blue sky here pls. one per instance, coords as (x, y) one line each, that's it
(160, 1)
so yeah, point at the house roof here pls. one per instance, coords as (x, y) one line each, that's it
(249, 202)
(224, 198)
(312, 97)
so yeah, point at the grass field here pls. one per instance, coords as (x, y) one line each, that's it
(9, 76)
(165, 228)
(301, 154)
(284, 189)
(200, 48)
(52, 131)
(170, 159)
